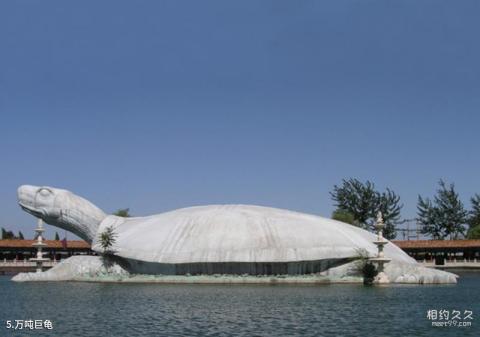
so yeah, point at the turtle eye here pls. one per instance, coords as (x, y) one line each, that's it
(44, 192)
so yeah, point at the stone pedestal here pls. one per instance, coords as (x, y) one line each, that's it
(380, 259)
(39, 259)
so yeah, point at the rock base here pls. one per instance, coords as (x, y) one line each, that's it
(96, 269)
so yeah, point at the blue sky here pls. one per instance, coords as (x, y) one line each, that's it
(156, 105)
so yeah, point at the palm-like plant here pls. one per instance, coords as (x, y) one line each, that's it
(107, 239)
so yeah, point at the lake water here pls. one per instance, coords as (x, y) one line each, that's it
(98, 309)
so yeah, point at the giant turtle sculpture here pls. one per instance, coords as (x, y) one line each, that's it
(215, 239)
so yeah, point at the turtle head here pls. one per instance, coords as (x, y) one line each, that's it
(61, 208)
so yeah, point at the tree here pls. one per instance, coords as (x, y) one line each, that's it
(363, 202)
(427, 217)
(365, 267)
(123, 212)
(355, 198)
(343, 216)
(20, 235)
(389, 205)
(474, 233)
(443, 217)
(57, 237)
(7, 235)
(107, 239)
(474, 218)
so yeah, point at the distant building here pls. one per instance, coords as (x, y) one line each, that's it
(55, 250)
(446, 249)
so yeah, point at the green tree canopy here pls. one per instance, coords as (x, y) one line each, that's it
(123, 212)
(389, 205)
(57, 237)
(443, 217)
(474, 233)
(356, 198)
(343, 216)
(474, 214)
(8, 235)
(20, 235)
(474, 218)
(363, 202)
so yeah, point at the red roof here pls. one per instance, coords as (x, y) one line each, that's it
(411, 244)
(419, 244)
(75, 244)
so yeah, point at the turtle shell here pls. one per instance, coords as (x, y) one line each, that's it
(238, 234)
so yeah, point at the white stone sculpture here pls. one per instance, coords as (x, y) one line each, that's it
(39, 259)
(216, 239)
(380, 258)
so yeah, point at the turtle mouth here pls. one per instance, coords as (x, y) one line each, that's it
(31, 210)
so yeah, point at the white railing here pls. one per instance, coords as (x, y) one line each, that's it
(454, 263)
(25, 263)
